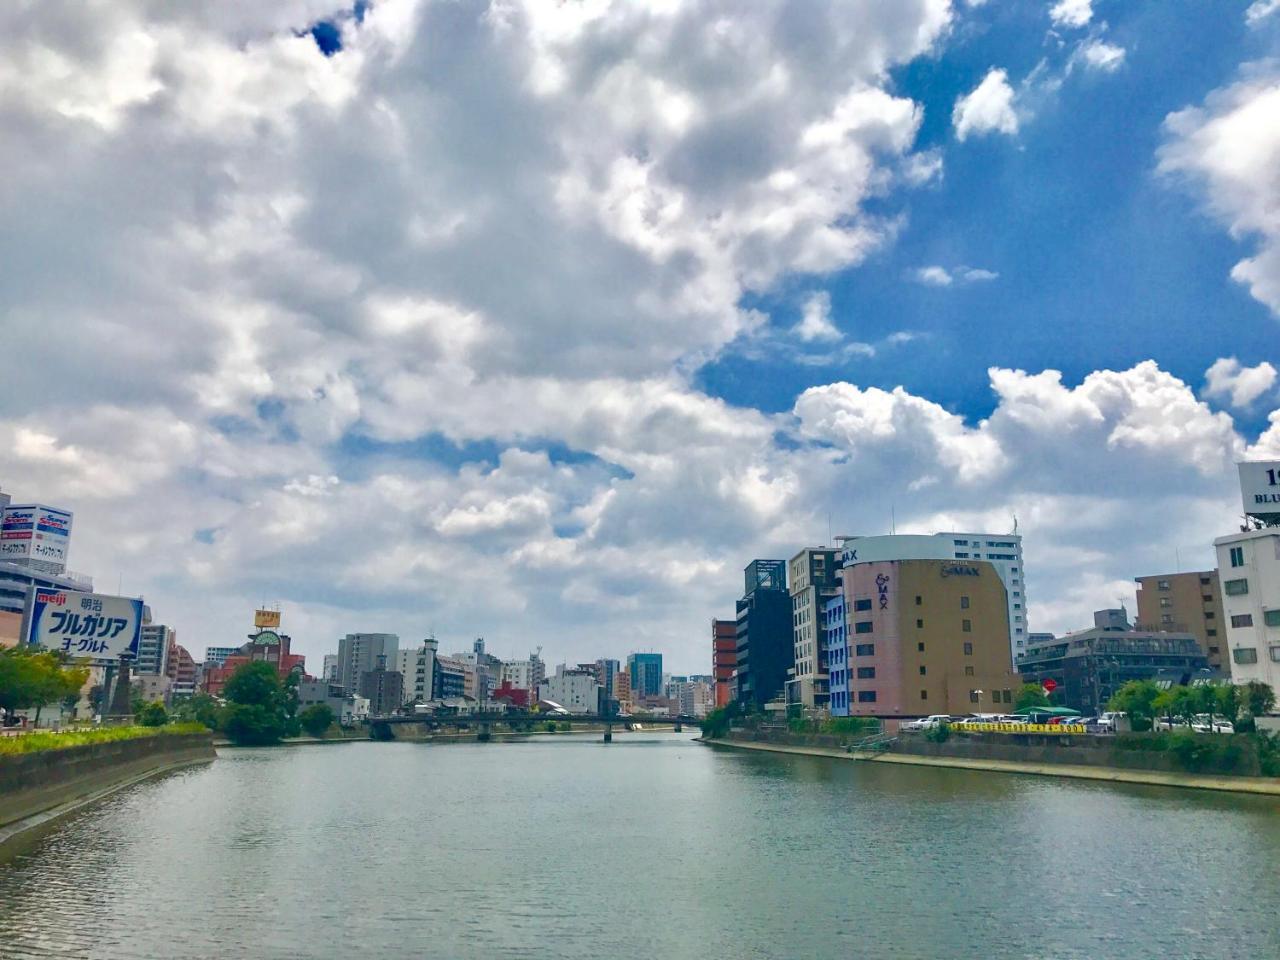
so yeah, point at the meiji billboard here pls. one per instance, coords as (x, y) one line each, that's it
(85, 624)
(1260, 488)
(33, 531)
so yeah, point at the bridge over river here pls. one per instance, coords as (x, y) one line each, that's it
(384, 728)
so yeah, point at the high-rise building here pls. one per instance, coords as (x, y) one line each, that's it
(724, 659)
(181, 669)
(812, 581)
(359, 652)
(607, 676)
(1249, 571)
(645, 671)
(450, 679)
(217, 656)
(921, 637)
(17, 580)
(766, 648)
(418, 668)
(153, 650)
(1002, 550)
(329, 671)
(1184, 603)
(575, 690)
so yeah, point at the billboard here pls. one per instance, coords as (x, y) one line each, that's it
(1260, 488)
(266, 618)
(33, 531)
(85, 624)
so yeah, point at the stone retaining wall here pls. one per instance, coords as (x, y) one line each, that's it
(31, 783)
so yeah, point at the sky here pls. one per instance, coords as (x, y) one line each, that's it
(538, 321)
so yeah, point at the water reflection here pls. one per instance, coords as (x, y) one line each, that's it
(566, 847)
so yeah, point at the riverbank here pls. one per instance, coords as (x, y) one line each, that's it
(1254, 785)
(38, 789)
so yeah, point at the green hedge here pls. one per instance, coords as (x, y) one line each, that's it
(35, 742)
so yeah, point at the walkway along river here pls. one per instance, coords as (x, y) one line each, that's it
(650, 846)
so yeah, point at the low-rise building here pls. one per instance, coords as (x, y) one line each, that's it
(1249, 568)
(1185, 603)
(1089, 666)
(383, 688)
(266, 646)
(575, 690)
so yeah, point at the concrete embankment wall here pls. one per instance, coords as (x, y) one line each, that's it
(34, 784)
(1084, 758)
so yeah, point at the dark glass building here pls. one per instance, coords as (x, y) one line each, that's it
(766, 648)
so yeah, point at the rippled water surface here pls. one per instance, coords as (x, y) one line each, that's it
(653, 846)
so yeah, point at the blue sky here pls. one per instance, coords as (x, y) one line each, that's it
(540, 321)
(1102, 261)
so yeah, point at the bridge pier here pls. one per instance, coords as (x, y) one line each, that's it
(485, 734)
(608, 733)
(678, 727)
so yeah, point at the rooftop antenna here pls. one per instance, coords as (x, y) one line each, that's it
(1177, 559)
(1015, 524)
(893, 520)
(830, 539)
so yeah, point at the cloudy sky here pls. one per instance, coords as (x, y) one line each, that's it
(540, 320)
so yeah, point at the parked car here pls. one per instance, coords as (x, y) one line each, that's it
(1111, 720)
(926, 723)
(1202, 723)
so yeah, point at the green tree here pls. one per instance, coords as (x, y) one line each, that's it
(153, 715)
(1177, 702)
(1259, 698)
(291, 725)
(1205, 699)
(1136, 699)
(255, 711)
(316, 719)
(1228, 700)
(200, 708)
(30, 677)
(1030, 695)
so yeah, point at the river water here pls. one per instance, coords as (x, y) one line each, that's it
(652, 846)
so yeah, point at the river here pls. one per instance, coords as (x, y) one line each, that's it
(652, 846)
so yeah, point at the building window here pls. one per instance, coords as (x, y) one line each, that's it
(864, 650)
(922, 671)
(1242, 620)
(1235, 588)
(1207, 597)
(1275, 654)
(966, 626)
(1166, 602)
(924, 694)
(1244, 655)
(1210, 615)
(920, 646)
(863, 626)
(1271, 618)
(968, 649)
(973, 696)
(1162, 584)
(1211, 633)
(968, 671)
(1006, 696)
(964, 603)
(1237, 556)
(919, 600)
(962, 543)
(866, 696)
(862, 604)
(1166, 618)
(866, 673)
(919, 624)
(961, 556)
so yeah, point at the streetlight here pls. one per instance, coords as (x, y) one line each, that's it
(978, 698)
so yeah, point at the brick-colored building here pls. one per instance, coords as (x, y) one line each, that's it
(1185, 603)
(266, 645)
(922, 637)
(724, 658)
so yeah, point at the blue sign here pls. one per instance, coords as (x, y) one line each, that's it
(86, 624)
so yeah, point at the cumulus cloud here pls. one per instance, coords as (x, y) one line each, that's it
(1240, 385)
(1071, 13)
(1229, 148)
(988, 108)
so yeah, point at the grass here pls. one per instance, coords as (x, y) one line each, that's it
(36, 742)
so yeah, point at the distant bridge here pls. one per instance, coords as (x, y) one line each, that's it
(383, 728)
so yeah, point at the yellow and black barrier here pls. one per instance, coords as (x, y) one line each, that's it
(1059, 728)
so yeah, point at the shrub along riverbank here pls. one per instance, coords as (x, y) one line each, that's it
(64, 740)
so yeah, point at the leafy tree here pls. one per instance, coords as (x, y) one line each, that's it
(1228, 700)
(255, 711)
(1259, 698)
(153, 715)
(1137, 699)
(1030, 695)
(33, 678)
(316, 719)
(716, 723)
(1205, 699)
(200, 708)
(1177, 702)
(291, 725)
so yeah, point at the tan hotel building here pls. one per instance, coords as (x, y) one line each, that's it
(922, 637)
(1185, 603)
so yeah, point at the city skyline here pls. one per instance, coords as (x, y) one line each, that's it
(555, 377)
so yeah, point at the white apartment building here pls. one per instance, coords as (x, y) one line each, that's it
(1002, 550)
(811, 581)
(418, 668)
(575, 690)
(523, 674)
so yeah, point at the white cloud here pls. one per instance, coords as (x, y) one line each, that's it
(1241, 385)
(987, 108)
(1260, 10)
(815, 320)
(1230, 148)
(1071, 13)
(1099, 55)
(936, 276)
